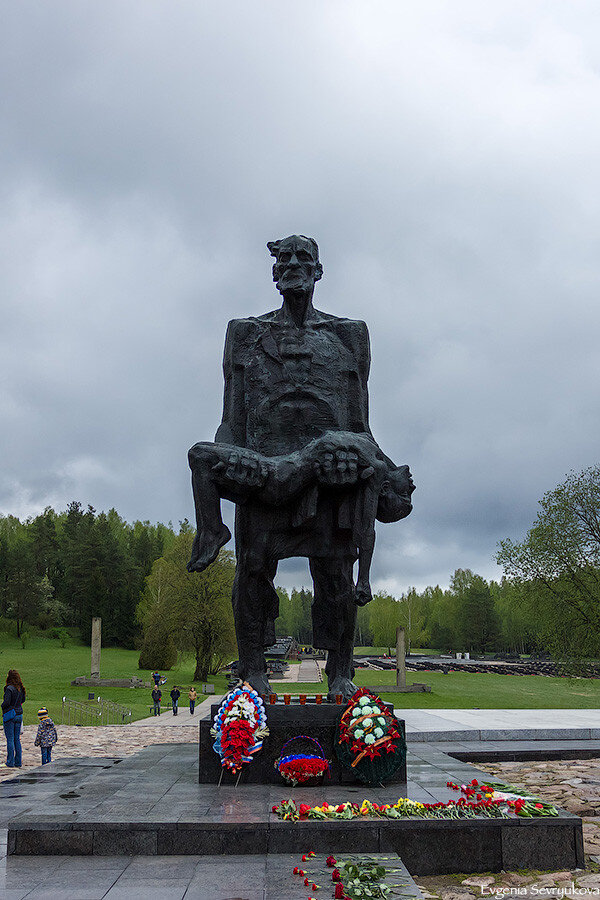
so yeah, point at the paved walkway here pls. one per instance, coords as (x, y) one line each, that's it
(442, 724)
(183, 717)
(309, 672)
(501, 724)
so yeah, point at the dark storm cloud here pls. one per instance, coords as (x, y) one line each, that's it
(445, 157)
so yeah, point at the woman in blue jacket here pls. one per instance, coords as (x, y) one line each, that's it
(12, 717)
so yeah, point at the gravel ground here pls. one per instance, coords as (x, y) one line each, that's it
(97, 740)
(573, 785)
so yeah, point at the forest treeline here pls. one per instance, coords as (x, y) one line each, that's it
(58, 569)
(472, 614)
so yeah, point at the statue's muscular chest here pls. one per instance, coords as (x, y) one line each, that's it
(285, 355)
(295, 386)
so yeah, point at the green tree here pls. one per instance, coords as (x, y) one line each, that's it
(25, 591)
(385, 615)
(557, 566)
(477, 622)
(193, 610)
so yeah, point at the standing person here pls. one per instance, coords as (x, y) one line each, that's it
(175, 695)
(156, 677)
(156, 695)
(46, 736)
(12, 717)
(193, 697)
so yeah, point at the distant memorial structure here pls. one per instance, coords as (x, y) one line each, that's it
(294, 452)
(96, 646)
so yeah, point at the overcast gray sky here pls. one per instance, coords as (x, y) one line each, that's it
(445, 156)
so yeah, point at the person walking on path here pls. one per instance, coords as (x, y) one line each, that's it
(156, 695)
(175, 695)
(156, 677)
(12, 717)
(193, 697)
(46, 736)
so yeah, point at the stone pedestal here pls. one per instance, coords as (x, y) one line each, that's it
(315, 720)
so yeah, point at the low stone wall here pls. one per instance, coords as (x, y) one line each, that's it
(94, 681)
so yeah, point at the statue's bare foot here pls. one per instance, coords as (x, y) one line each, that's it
(363, 593)
(343, 686)
(206, 548)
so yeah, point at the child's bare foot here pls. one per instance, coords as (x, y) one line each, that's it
(363, 593)
(206, 548)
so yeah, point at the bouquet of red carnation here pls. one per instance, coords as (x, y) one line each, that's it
(236, 740)
(302, 768)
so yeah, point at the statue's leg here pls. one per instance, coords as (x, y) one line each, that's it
(334, 620)
(211, 532)
(254, 598)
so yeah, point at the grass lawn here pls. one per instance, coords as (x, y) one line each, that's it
(384, 651)
(462, 690)
(47, 670)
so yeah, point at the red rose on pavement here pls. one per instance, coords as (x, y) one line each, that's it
(331, 861)
(335, 875)
(339, 891)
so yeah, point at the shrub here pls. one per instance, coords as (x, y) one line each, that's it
(158, 652)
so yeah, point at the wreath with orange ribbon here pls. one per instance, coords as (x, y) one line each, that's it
(368, 741)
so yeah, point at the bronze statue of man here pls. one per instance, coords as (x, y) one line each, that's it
(295, 453)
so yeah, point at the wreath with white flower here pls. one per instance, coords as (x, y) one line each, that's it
(239, 727)
(368, 740)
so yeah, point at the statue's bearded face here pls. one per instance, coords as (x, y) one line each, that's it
(297, 267)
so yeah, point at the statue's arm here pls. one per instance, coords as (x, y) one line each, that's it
(355, 335)
(232, 429)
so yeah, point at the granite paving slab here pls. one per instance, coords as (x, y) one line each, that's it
(248, 877)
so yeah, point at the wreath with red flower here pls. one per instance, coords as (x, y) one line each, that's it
(302, 768)
(368, 741)
(239, 726)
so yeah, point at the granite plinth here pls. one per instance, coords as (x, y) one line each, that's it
(152, 804)
(318, 720)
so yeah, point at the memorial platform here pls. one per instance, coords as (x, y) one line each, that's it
(152, 804)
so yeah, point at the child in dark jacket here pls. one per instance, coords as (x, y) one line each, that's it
(46, 735)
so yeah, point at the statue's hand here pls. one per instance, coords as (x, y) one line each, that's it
(242, 469)
(338, 468)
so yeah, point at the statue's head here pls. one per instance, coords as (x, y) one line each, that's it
(297, 265)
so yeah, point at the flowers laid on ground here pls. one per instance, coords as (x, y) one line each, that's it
(302, 768)
(368, 739)
(239, 727)
(526, 807)
(353, 879)
(463, 808)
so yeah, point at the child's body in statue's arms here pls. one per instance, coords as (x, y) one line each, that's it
(335, 460)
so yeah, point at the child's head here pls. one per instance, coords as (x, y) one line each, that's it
(42, 714)
(394, 499)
